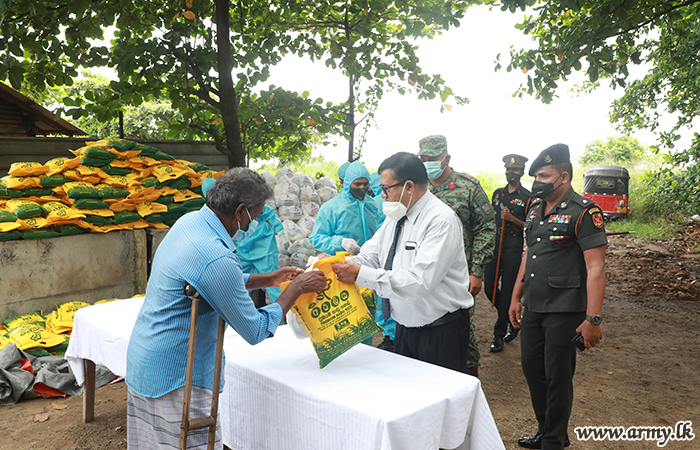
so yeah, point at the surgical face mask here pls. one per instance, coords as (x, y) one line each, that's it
(543, 190)
(434, 168)
(513, 177)
(396, 210)
(240, 234)
(358, 193)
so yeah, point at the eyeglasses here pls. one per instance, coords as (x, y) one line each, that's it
(386, 189)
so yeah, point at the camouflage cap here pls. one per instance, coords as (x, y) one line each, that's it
(513, 160)
(432, 145)
(555, 154)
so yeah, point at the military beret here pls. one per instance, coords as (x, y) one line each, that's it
(432, 145)
(516, 161)
(555, 154)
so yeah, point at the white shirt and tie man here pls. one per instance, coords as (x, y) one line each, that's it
(425, 277)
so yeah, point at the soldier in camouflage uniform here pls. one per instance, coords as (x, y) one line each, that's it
(464, 194)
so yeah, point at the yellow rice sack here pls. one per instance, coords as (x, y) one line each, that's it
(165, 172)
(12, 182)
(24, 209)
(34, 316)
(92, 172)
(23, 169)
(185, 194)
(59, 212)
(34, 223)
(60, 165)
(8, 226)
(336, 319)
(34, 334)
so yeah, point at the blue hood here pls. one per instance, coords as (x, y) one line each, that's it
(354, 171)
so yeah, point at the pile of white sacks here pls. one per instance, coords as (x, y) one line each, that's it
(296, 200)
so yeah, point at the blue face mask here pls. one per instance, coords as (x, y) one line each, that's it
(240, 234)
(434, 168)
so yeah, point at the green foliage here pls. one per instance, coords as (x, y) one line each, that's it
(371, 42)
(619, 150)
(603, 38)
(210, 59)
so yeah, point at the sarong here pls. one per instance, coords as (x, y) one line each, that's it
(154, 423)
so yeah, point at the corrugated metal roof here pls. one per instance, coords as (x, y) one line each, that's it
(22, 116)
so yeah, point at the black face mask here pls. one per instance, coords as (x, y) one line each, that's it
(358, 193)
(512, 177)
(543, 190)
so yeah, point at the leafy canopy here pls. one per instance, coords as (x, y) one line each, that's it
(603, 39)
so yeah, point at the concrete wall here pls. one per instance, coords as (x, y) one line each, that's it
(37, 274)
(21, 149)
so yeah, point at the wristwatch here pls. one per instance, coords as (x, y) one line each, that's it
(595, 319)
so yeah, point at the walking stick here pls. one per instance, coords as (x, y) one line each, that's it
(208, 421)
(498, 262)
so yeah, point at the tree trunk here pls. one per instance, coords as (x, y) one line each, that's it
(228, 103)
(351, 119)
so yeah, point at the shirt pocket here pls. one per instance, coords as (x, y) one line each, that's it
(564, 282)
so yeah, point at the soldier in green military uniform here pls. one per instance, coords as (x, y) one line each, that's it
(464, 194)
(562, 284)
(510, 204)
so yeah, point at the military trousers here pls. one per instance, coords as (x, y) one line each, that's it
(549, 361)
(511, 255)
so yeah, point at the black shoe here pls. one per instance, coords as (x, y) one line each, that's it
(496, 345)
(536, 441)
(512, 334)
(387, 344)
(531, 441)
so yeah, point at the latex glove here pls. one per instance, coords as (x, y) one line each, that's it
(350, 245)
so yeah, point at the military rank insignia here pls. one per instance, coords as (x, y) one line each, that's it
(560, 218)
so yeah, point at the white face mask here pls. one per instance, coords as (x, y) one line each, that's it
(396, 210)
(240, 234)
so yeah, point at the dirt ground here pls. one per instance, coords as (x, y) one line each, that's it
(644, 373)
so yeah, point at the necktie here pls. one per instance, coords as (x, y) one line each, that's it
(386, 306)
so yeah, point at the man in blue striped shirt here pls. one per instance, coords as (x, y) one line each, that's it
(199, 251)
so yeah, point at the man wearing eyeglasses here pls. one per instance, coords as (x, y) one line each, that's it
(464, 194)
(416, 263)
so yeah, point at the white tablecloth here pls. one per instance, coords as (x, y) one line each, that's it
(277, 398)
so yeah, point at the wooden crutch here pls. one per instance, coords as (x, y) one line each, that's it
(208, 421)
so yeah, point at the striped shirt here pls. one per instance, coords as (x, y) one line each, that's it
(197, 250)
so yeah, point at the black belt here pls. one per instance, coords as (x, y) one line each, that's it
(447, 318)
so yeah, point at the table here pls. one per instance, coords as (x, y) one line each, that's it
(277, 398)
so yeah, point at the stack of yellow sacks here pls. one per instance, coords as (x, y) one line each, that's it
(39, 334)
(111, 184)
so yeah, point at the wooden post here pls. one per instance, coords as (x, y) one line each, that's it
(89, 391)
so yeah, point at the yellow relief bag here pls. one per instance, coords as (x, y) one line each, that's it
(58, 212)
(9, 226)
(134, 225)
(185, 194)
(336, 319)
(92, 172)
(34, 334)
(34, 223)
(12, 182)
(34, 316)
(24, 169)
(165, 172)
(146, 208)
(106, 228)
(59, 165)
(65, 312)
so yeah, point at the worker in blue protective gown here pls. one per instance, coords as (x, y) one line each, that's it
(258, 250)
(390, 324)
(377, 191)
(348, 220)
(341, 172)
